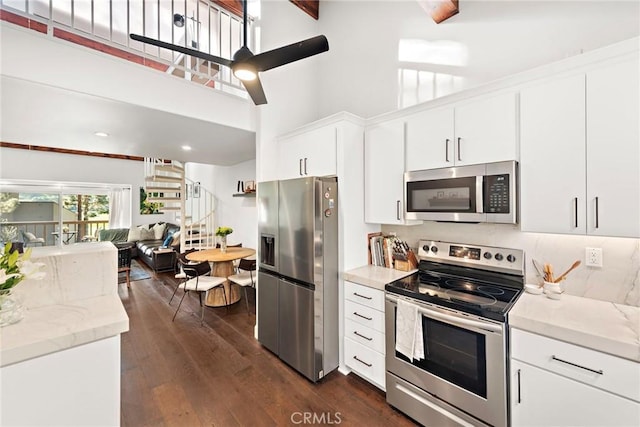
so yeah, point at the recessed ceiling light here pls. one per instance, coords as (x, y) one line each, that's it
(102, 134)
(186, 147)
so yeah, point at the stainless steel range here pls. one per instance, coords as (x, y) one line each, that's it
(460, 298)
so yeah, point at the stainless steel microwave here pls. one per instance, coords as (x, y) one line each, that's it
(475, 193)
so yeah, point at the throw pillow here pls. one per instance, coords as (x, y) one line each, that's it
(29, 236)
(175, 238)
(146, 234)
(167, 241)
(158, 231)
(134, 234)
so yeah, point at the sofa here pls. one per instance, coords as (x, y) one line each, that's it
(147, 239)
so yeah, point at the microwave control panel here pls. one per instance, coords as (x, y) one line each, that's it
(496, 196)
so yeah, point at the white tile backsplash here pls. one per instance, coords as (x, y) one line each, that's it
(617, 281)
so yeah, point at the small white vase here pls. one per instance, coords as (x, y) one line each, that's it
(223, 244)
(11, 309)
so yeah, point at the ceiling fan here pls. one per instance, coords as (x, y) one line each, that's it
(245, 65)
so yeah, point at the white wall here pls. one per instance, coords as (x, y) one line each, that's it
(46, 166)
(360, 71)
(238, 213)
(32, 56)
(292, 90)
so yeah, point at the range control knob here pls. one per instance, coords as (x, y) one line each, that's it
(425, 248)
(434, 249)
(511, 258)
(487, 255)
(499, 256)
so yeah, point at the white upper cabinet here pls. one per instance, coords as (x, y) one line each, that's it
(480, 130)
(613, 150)
(312, 153)
(486, 130)
(579, 153)
(384, 173)
(430, 139)
(552, 156)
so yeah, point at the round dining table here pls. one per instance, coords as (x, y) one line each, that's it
(222, 267)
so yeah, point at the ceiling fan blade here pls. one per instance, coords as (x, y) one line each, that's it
(254, 88)
(186, 51)
(290, 53)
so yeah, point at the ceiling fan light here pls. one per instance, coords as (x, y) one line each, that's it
(245, 73)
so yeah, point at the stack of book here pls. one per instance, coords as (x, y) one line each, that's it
(388, 251)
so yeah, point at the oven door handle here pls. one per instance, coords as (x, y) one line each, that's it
(454, 319)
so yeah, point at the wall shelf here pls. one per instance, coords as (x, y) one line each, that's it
(251, 194)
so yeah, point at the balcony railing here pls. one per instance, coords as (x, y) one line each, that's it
(105, 25)
(72, 231)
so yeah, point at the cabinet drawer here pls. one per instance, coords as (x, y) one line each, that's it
(364, 315)
(604, 371)
(364, 335)
(365, 362)
(364, 295)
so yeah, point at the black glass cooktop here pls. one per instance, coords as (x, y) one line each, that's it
(483, 293)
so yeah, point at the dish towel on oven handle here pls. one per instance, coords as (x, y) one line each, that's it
(409, 340)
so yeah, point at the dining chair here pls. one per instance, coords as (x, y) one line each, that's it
(180, 275)
(198, 280)
(245, 277)
(124, 263)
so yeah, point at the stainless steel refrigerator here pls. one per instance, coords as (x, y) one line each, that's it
(298, 272)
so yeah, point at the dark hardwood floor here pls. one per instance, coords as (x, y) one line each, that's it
(183, 374)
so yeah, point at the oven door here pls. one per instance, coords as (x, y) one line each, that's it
(464, 364)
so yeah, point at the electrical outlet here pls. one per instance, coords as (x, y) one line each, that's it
(593, 257)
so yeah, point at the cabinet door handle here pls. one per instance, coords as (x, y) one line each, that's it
(364, 317)
(575, 211)
(459, 154)
(364, 363)
(362, 296)
(446, 149)
(519, 396)
(362, 336)
(398, 209)
(300, 167)
(597, 213)
(305, 166)
(599, 372)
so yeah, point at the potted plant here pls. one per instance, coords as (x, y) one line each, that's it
(14, 268)
(223, 232)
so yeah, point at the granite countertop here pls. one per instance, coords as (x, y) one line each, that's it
(76, 303)
(604, 326)
(374, 276)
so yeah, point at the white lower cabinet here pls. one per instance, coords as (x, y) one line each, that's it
(554, 383)
(364, 332)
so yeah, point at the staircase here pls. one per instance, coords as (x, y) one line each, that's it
(193, 204)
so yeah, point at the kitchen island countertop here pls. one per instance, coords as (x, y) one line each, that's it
(374, 276)
(600, 325)
(76, 303)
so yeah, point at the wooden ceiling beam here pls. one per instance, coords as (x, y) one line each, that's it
(440, 10)
(311, 7)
